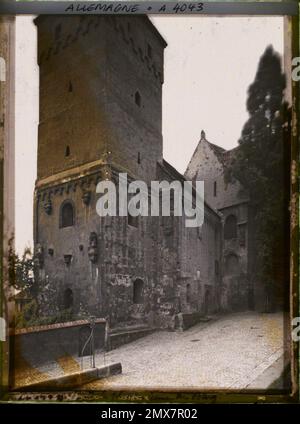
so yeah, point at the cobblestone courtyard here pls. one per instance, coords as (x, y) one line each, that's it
(233, 352)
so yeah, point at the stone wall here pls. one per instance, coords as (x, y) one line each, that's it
(103, 284)
(200, 260)
(209, 163)
(189, 262)
(89, 110)
(48, 344)
(146, 271)
(91, 69)
(235, 259)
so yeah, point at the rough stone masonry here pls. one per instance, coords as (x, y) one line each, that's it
(101, 83)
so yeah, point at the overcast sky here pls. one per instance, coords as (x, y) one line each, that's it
(209, 64)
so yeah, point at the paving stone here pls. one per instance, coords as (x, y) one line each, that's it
(232, 352)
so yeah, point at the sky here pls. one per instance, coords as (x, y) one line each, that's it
(209, 64)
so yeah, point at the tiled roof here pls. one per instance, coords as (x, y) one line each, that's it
(170, 171)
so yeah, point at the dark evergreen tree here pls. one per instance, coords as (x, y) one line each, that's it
(261, 165)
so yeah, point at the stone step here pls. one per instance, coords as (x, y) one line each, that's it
(128, 326)
(118, 337)
(184, 321)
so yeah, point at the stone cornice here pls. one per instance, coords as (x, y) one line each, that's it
(69, 175)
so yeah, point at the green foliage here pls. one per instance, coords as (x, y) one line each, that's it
(260, 165)
(33, 293)
(21, 271)
(29, 316)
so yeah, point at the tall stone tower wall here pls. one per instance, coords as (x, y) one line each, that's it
(100, 91)
(100, 111)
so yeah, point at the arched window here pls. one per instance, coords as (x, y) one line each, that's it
(138, 99)
(68, 299)
(67, 151)
(230, 228)
(67, 215)
(215, 188)
(133, 221)
(138, 287)
(232, 264)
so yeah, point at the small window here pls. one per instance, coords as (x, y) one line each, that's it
(68, 299)
(133, 221)
(149, 51)
(230, 228)
(138, 289)
(215, 189)
(67, 151)
(139, 158)
(67, 215)
(70, 87)
(138, 99)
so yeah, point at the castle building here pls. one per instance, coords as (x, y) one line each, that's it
(225, 194)
(101, 83)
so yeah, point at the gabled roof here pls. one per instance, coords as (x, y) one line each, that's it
(219, 151)
(229, 155)
(171, 172)
(224, 156)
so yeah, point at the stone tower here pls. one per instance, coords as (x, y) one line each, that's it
(100, 91)
(100, 114)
